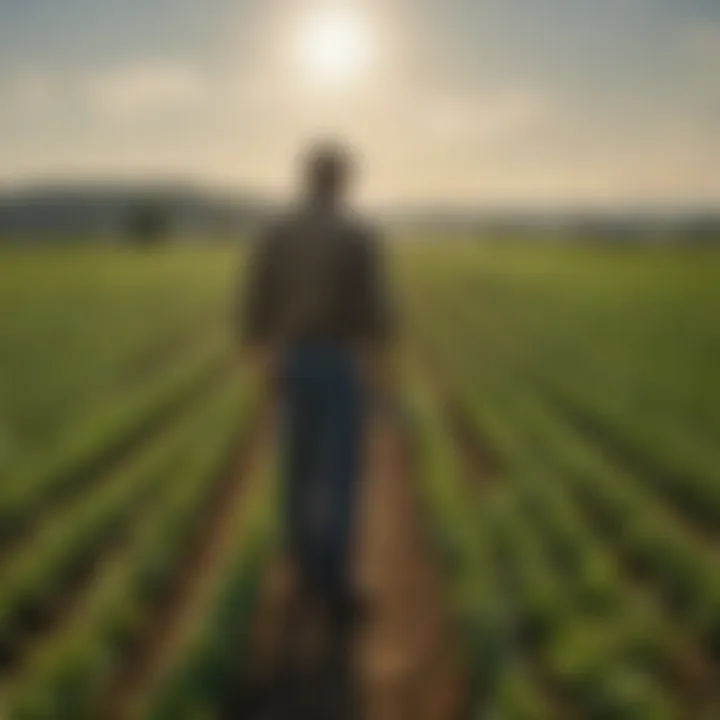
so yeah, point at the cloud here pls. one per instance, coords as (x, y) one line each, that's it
(472, 140)
(703, 40)
(481, 117)
(29, 90)
(702, 50)
(138, 89)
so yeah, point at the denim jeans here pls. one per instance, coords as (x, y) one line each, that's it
(322, 440)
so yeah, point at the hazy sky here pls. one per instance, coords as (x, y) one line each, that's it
(455, 101)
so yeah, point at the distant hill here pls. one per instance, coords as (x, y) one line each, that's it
(105, 212)
(699, 225)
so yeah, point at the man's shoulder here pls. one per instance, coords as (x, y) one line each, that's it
(279, 226)
(360, 228)
(349, 226)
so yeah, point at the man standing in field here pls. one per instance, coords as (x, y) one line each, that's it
(317, 325)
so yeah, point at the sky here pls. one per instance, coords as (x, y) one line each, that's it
(446, 102)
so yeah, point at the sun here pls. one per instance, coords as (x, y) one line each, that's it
(334, 47)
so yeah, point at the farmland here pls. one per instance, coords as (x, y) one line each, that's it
(564, 402)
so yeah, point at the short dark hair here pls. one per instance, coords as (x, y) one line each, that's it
(328, 165)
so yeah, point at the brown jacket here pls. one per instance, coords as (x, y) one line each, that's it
(317, 276)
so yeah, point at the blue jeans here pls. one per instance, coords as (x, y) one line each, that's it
(322, 449)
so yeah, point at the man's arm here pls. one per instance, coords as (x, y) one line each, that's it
(256, 310)
(377, 318)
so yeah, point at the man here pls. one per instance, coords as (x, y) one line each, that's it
(317, 324)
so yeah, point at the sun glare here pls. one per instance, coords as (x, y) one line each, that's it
(335, 47)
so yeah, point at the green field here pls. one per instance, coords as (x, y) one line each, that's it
(568, 410)
(581, 529)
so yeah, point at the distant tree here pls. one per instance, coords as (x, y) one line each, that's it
(148, 224)
(702, 230)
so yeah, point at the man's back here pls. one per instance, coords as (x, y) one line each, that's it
(317, 278)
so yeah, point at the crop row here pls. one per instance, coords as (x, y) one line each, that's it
(81, 327)
(590, 571)
(211, 671)
(679, 468)
(597, 646)
(68, 675)
(643, 528)
(35, 577)
(501, 681)
(99, 440)
(617, 369)
(678, 565)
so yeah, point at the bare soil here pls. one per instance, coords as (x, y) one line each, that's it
(406, 665)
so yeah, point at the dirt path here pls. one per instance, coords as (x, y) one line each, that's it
(406, 665)
(407, 661)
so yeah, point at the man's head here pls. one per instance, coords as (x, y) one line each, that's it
(328, 172)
